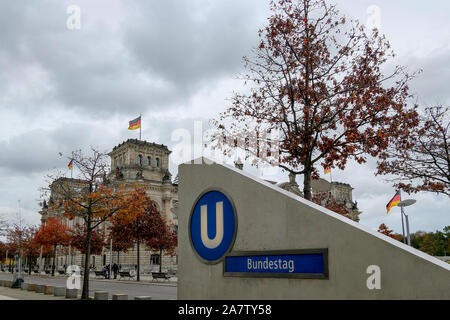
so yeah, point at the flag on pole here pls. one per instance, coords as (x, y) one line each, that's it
(70, 165)
(394, 201)
(135, 124)
(327, 170)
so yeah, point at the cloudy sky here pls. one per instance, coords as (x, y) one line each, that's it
(66, 86)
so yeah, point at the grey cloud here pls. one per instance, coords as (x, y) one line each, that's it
(159, 58)
(188, 43)
(38, 150)
(432, 85)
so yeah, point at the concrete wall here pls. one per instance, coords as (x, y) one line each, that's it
(270, 218)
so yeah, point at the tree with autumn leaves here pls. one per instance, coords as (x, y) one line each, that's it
(121, 242)
(141, 223)
(25, 241)
(87, 199)
(93, 201)
(386, 231)
(78, 236)
(20, 240)
(317, 80)
(53, 233)
(421, 162)
(433, 243)
(32, 247)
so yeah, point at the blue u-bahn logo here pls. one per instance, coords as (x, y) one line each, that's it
(213, 226)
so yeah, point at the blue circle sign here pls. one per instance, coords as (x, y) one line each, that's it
(213, 226)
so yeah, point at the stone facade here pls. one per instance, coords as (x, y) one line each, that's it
(134, 164)
(339, 192)
(138, 163)
(336, 191)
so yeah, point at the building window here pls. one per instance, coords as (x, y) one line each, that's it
(139, 160)
(157, 162)
(156, 205)
(149, 161)
(154, 259)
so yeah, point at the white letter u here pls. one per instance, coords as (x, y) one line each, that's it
(212, 243)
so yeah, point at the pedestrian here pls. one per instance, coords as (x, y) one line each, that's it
(115, 269)
(105, 271)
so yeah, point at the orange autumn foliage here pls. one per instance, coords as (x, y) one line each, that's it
(140, 222)
(53, 232)
(384, 230)
(318, 94)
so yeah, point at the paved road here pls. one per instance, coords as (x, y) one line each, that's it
(162, 291)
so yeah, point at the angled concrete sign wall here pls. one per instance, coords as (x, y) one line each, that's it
(243, 238)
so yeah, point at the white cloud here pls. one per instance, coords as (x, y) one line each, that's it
(175, 62)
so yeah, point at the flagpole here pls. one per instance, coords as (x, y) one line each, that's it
(403, 226)
(140, 127)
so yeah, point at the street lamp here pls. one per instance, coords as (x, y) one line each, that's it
(402, 204)
(110, 256)
(40, 259)
(70, 256)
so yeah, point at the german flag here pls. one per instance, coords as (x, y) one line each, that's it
(70, 165)
(135, 124)
(394, 201)
(327, 170)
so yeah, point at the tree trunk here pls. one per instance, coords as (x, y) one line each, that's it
(29, 265)
(160, 259)
(85, 292)
(307, 184)
(138, 262)
(54, 260)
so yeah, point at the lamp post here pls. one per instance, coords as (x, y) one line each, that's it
(20, 276)
(403, 227)
(110, 256)
(40, 260)
(402, 204)
(70, 255)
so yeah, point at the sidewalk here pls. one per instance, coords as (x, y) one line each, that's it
(145, 280)
(18, 294)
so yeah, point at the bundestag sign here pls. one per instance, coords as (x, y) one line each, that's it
(213, 229)
(302, 264)
(241, 237)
